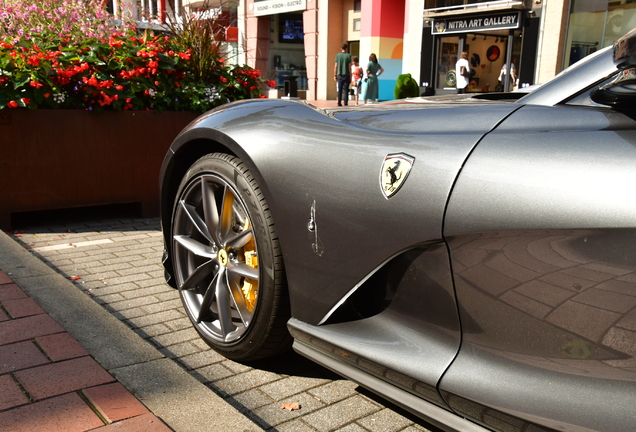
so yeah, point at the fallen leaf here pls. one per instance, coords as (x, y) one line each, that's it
(290, 406)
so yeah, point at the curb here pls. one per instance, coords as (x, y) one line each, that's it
(168, 391)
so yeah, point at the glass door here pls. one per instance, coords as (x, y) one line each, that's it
(447, 57)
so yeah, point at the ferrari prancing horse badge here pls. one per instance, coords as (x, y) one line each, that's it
(395, 170)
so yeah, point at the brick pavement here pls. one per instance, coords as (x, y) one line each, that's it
(50, 383)
(117, 262)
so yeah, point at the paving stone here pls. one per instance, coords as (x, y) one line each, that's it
(114, 289)
(27, 328)
(147, 291)
(628, 321)
(335, 391)
(274, 414)
(61, 346)
(11, 395)
(19, 356)
(179, 324)
(58, 378)
(20, 308)
(72, 414)
(3, 315)
(153, 330)
(114, 402)
(246, 381)
(234, 366)
(4, 278)
(212, 373)
(143, 423)
(607, 269)
(299, 426)
(179, 350)
(201, 359)
(340, 413)
(290, 386)
(619, 286)
(126, 279)
(11, 292)
(155, 318)
(385, 420)
(252, 399)
(176, 337)
(353, 427)
(130, 303)
(111, 298)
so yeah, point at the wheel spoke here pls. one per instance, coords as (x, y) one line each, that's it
(197, 248)
(199, 223)
(199, 274)
(239, 302)
(222, 291)
(205, 314)
(242, 269)
(210, 211)
(227, 208)
(238, 240)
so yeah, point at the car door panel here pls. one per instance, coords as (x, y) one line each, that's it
(541, 225)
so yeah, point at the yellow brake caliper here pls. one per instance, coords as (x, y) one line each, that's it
(250, 287)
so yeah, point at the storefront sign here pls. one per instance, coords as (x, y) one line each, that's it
(270, 7)
(470, 24)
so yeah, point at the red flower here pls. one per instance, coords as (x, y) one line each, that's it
(253, 88)
(262, 97)
(12, 104)
(47, 95)
(223, 79)
(119, 87)
(271, 83)
(26, 101)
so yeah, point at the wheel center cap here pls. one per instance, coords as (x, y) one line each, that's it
(223, 259)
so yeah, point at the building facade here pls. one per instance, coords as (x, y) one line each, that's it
(297, 40)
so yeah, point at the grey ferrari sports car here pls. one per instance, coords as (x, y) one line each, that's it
(471, 259)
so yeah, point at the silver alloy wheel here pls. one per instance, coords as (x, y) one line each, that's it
(216, 258)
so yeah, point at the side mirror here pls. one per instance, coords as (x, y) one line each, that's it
(622, 91)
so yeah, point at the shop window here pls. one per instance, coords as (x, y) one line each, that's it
(595, 25)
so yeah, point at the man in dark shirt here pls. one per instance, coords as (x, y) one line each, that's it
(342, 74)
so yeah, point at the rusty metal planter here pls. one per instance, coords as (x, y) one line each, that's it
(55, 159)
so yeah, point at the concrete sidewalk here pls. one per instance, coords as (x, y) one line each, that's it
(66, 363)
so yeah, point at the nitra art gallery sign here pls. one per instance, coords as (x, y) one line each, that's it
(270, 7)
(501, 21)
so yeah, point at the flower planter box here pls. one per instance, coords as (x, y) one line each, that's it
(56, 159)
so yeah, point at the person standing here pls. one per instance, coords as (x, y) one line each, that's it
(356, 78)
(374, 70)
(462, 73)
(342, 74)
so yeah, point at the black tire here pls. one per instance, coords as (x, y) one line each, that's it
(227, 261)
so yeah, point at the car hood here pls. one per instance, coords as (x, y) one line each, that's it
(453, 113)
